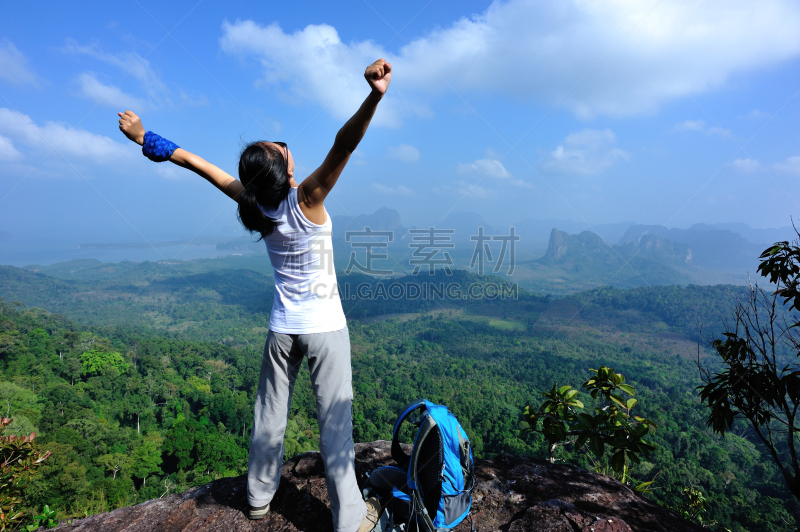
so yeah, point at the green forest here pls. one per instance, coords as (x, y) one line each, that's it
(140, 378)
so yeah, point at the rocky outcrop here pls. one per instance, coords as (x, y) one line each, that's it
(513, 494)
(712, 247)
(575, 247)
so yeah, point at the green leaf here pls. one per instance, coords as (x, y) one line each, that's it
(596, 445)
(617, 399)
(627, 388)
(630, 403)
(586, 420)
(570, 394)
(617, 461)
(648, 448)
(616, 443)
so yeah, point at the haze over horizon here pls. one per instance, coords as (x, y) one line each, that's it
(644, 112)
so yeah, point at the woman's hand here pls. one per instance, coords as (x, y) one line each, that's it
(378, 75)
(131, 125)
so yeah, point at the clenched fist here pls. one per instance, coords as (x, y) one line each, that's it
(131, 125)
(378, 75)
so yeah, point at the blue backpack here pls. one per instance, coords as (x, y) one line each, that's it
(431, 490)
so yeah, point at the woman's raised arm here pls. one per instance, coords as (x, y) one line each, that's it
(131, 125)
(316, 186)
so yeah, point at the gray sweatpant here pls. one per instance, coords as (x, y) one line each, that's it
(331, 377)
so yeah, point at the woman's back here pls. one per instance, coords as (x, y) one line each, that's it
(301, 252)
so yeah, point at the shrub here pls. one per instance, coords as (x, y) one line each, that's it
(19, 460)
(610, 430)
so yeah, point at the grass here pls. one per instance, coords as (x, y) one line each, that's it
(507, 325)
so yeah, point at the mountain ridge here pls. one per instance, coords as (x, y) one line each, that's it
(712, 247)
(587, 257)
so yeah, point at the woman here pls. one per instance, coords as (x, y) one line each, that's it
(307, 318)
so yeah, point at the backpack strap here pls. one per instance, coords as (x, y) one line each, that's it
(419, 511)
(428, 424)
(398, 454)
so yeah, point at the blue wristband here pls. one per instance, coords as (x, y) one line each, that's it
(157, 148)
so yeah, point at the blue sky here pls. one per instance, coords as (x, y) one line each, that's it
(656, 112)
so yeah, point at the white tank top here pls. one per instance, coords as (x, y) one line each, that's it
(301, 253)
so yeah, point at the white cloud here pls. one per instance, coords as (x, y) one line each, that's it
(717, 131)
(745, 166)
(398, 190)
(492, 169)
(587, 152)
(790, 165)
(700, 127)
(521, 183)
(14, 65)
(107, 95)
(194, 99)
(314, 64)
(756, 113)
(691, 125)
(404, 153)
(459, 188)
(358, 158)
(128, 65)
(469, 190)
(171, 171)
(543, 51)
(7, 150)
(127, 62)
(69, 142)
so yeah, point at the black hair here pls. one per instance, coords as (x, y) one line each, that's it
(264, 172)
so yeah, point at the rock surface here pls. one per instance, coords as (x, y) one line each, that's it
(513, 494)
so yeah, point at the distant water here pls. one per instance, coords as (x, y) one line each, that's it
(23, 253)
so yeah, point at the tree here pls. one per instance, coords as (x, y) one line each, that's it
(14, 398)
(147, 456)
(692, 506)
(139, 406)
(73, 369)
(219, 452)
(94, 361)
(611, 426)
(759, 379)
(180, 442)
(116, 463)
